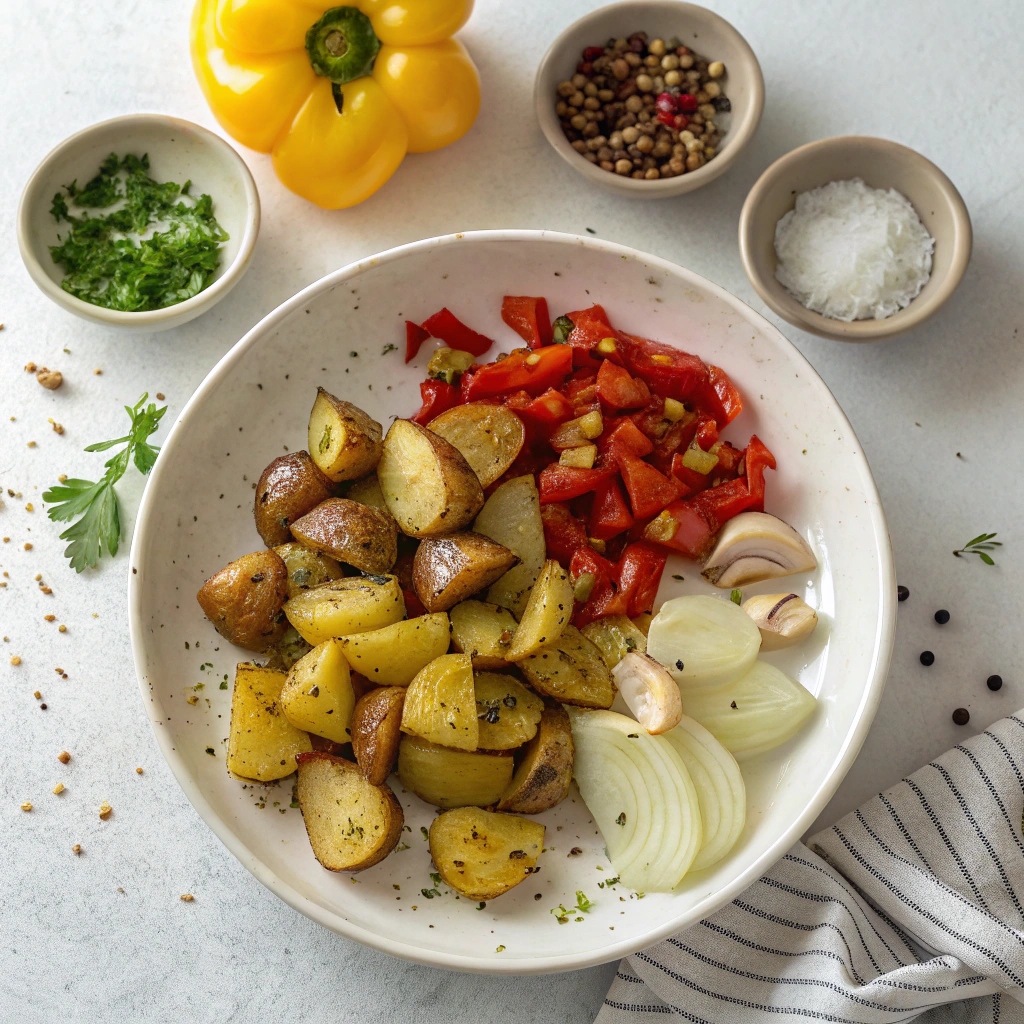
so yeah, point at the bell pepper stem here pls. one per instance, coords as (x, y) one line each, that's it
(342, 45)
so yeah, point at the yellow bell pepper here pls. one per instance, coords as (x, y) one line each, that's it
(338, 96)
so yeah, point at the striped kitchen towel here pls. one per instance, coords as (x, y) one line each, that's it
(911, 907)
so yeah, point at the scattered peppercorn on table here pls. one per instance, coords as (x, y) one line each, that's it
(123, 905)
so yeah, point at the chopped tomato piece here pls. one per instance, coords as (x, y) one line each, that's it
(444, 324)
(414, 337)
(609, 513)
(438, 396)
(533, 372)
(744, 494)
(563, 483)
(617, 389)
(604, 597)
(564, 534)
(640, 570)
(649, 490)
(589, 326)
(666, 370)
(529, 318)
(682, 528)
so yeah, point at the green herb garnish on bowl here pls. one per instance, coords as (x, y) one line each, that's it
(157, 247)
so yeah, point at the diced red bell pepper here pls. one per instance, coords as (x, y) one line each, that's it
(564, 534)
(618, 390)
(691, 480)
(625, 436)
(609, 513)
(728, 461)
(707, 432)
(605, 598)
(413, 605)
(533, 372)
(438, 396)
(414, 337)
(541, 415)
(649, 490)
(677, 438)
(444, 324)
(528, 317)
(681, 528)
(589, 326)
(666, 370)
(720, 397)
(563, 483)
(744, 494)
(640, 570)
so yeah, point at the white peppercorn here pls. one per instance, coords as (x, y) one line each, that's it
(686, 61)
(644, 83)
(716, 69)
(579, 80)
(630, 135)
(672, 78)
(634, 104)
(656, 47)
(623, 166)
(669, 62)
(713, 89)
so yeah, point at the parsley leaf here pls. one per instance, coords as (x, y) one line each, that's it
(99, 525)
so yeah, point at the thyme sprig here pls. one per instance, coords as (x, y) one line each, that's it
(980, 546)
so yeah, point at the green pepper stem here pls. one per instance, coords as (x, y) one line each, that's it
(342, 45)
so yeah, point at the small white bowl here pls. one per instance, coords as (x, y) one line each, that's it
(178, 151)
(705, 33)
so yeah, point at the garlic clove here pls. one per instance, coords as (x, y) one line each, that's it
(755, 546)
(649, 692)
(783, 619)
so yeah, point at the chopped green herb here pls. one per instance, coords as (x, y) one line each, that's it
(435, 878)
(100, 524)
(608, 883)
(561, 914)
(980, 546)
(499, 949)
(736, 597)
(399, 848)
(424, 831)
(324, 443)
(676, 576)
(582, 903)
(480, 906)
(388, 348)
(429, 893)
(353, 354)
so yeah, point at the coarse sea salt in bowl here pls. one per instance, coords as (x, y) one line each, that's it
(881, 164)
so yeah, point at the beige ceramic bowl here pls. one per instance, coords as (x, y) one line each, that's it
(882, 164)
(704, 32)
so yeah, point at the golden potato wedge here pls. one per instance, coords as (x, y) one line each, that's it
(344, 442)
(392, 655)
(489, 436)
(283, 653)
(367, 492)
(428, 486)
(351, 605)
(512, 591)
(507, 712)
(289, 487)
(543, 776)
(318, 695)
(244, 600)
(376, 729)
(446, 570)
(307, 569)
(358, 535)
(615, 636)
(571, 670)
(453, 778)
(483, 631)
(351, 823)
(547, 611)
(440, 704)
(482, 854)
(262, 743)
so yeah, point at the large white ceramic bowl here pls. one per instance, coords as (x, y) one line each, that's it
(197, 515)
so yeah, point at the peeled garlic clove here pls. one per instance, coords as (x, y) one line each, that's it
(783, 619)
(649, 692)
(755, 546)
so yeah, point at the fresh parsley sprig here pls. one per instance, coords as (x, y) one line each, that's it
(96, 503)
(980, 546)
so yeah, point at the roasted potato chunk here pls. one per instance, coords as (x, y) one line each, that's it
(440, 704)
(351, 605)
(615, 636)
(483, 631)
(489, 436)
(452, 778)
(318, 695)
(571, 670)
(307, 569)
(358, 535)
(429, 487)
(446, 570)
(262, 743)
(507, 712)
(392, 655)
(367, 492)
(289, 488)
(376, 730)
(351, 823)
(547, 611)
(482, 854)
(344, 442)
(244, 600)
(543, 776)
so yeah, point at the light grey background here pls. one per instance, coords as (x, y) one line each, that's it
(104, 937)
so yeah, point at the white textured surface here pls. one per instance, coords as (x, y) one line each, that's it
(943, 78)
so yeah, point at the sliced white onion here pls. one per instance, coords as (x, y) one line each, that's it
(639, 792)
(753, 714)
(720, 790)
(703, 641)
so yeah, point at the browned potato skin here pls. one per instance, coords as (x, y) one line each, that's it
(244, 600)
(447, 570)
(362, 449)
(289, 488)
(543, 776)
(355, 534)
(376, 729)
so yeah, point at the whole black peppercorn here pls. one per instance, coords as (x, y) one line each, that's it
(927, 658)
(902, 593)
(942, 616)
(961, 716)
(994, 682)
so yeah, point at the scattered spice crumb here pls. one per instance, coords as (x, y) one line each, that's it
(45, 589)
(62, 628)
(27, 806)
(37, 695)
(499, 949)
(159, 396)
(50, 379)
(187, 897)
(28, 546)
(31, 444)
(77, 849)
(58, 789)
(49, 618)
(105, 810)
(97, 372)
(31, 367)
(30, 507)
(63, 757)
(58, 428)
(138, 771)
(63, 478)
(15, 660)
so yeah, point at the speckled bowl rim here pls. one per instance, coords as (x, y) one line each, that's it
(778, 299)
(150, 319)
(850, 744)
(740, 132)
